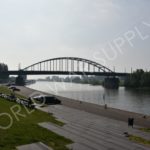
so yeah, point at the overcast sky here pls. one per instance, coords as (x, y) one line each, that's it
(111, 32)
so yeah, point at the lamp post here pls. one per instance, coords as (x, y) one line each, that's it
(105, 105)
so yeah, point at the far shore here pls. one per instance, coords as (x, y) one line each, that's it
(112, 113)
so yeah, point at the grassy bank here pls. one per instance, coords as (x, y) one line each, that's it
(25, 129)
(6, 90)
(139, 140)
(145, 129)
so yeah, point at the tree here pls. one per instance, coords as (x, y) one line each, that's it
(138, 79)
(145, 80)
(3, 78)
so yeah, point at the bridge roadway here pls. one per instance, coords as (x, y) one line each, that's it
(14, 72)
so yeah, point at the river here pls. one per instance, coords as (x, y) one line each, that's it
(130, 100)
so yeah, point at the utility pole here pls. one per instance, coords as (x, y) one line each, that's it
(125, 70)
(131, 70)
(114, 68)
(19, 66)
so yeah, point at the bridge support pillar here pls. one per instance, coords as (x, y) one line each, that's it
(111, 83)
(20, 80)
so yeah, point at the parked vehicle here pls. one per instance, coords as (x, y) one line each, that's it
(14, 88)
(47, 99)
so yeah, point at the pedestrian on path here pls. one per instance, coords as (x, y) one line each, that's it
(130, 121)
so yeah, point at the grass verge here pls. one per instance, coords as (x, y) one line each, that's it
(6, 90)
(139, 140)
(25, 129)
(145, 129)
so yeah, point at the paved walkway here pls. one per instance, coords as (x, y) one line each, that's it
(34, 146)
(112, 113)
(93, 132)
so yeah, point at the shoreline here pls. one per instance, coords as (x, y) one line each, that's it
(112, 113)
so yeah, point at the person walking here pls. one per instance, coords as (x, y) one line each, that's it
(130, 121)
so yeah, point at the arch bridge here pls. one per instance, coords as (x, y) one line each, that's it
(65, 66)
(68, 65)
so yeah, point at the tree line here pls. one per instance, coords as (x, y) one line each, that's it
(138, 79)
(94, 80)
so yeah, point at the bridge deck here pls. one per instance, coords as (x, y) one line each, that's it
(13, 72)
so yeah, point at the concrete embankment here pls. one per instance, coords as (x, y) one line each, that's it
(96, 109)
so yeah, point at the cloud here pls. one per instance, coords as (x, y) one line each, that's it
(31, 30)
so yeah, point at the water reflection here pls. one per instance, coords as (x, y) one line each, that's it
(131, 100)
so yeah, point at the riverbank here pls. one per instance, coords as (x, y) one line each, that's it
(17, 130)
(116, 114)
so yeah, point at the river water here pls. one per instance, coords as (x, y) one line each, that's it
(130, 100)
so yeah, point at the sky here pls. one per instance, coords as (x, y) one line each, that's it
(114, 33)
